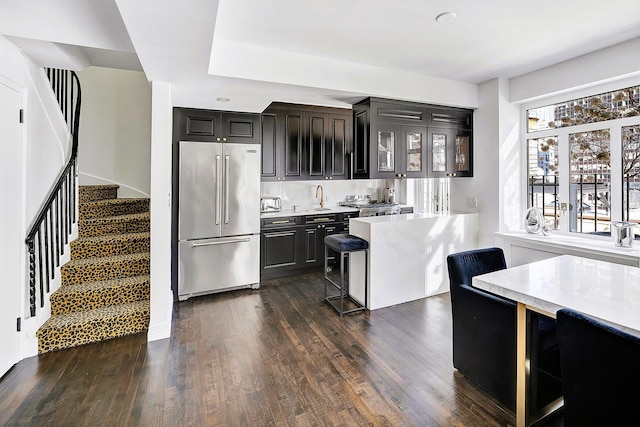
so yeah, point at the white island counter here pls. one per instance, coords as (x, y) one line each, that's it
(408, 255)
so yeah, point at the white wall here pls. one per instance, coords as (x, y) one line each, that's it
(115, 130)
(613, 63)
(161, 294)
(46, 148)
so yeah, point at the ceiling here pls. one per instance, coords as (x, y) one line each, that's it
(329, 52)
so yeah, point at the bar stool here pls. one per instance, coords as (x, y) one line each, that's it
(344, 244)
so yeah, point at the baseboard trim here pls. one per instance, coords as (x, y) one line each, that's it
(159, 332)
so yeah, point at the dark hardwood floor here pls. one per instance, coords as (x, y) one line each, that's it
(277, 356)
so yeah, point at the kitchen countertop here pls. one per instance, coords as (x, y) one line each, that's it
(308, 211)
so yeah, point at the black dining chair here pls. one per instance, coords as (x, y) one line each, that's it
(484, 334)
(600, 371)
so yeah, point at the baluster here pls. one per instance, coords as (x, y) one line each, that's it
(41, 277)
(46, 243)
(56, 221)
(61, 223)
(32, 278)
(73, 180)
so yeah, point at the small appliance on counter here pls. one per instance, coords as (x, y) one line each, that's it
(389, 195)
(270, 204)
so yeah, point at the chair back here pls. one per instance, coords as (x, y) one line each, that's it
(463, 266)
(600, 371)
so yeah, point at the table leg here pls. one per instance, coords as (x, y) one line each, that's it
(522, 377)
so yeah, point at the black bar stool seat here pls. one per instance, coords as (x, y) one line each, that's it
(344, 244)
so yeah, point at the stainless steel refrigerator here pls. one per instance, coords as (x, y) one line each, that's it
(219, 217)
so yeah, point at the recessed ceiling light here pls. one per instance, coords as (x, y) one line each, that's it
(445, 17)
(223, 99)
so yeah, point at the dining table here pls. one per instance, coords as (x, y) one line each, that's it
(607, 291)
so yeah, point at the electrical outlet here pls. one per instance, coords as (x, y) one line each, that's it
(472, 202)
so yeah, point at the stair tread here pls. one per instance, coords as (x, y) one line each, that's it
(101, 284)
(106, 260)
(119, 201)
(115, 218)
(98, 186)
(113, 237)
(102, 314)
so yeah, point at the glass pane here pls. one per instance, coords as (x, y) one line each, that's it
(386, 148)
(462, 153)
(439, 152)
(414, 151)
(631, 174)
(592, 109)
(543, 177)
(590, 181)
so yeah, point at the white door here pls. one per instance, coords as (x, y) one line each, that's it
(11, 224)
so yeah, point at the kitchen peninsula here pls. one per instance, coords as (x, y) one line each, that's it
(408, 255)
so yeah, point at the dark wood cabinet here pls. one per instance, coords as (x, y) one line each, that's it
(295, 245)
(389, 139)
(311, 143)
(394, 139)
(399, 151)
(313, 242)
(279, 245)
(217, 126)
(450, 152)
(450, 139)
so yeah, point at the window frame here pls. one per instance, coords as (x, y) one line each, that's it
(562, 133)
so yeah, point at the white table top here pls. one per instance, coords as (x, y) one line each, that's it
(608, 291)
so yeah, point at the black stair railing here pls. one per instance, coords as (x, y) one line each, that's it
(53, 225)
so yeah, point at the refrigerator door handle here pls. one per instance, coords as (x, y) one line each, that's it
(222, 242)
(226, 189)
(218, 198)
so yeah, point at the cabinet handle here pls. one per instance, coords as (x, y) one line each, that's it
(330, 177)
(217, 139)
(321, 219)
(286, 221)
(283, 234)
(224, 139)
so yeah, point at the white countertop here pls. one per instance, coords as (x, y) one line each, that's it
(608, 291)
(308, 211)
(406, 217)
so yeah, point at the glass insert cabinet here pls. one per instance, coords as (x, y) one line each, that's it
(450, 152)
(399, 151)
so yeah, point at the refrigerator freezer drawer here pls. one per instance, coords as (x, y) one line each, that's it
(213, 265)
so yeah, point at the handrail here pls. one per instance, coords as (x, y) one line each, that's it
(59, 209)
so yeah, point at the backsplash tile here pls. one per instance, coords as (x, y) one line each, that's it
(302, 193)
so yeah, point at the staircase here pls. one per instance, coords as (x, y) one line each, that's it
(104, 290)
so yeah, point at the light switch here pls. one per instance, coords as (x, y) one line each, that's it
(472, 202)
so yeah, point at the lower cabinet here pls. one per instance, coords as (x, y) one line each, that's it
(295, 245)
(313, 242)
(280, 248)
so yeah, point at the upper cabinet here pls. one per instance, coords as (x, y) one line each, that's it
(450, 143)
(389, 139)
(307, 143)
(395, 139)
(216, 126)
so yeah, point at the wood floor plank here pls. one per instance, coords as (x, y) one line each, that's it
(278, 356)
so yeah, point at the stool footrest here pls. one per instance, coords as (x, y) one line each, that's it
(359, 307)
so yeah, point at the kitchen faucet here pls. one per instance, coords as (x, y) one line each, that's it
(319, 187)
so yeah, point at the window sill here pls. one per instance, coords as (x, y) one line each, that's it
(521, 247)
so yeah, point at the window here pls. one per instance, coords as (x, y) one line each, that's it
(543, 177)
(584, 161)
